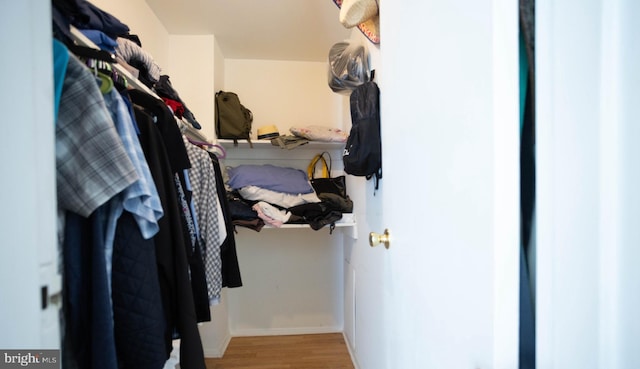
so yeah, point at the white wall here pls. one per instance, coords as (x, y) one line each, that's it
(191, 71)
(143, 22)
(219, 69)
(287, 94)
(293, 278)
(292, 282)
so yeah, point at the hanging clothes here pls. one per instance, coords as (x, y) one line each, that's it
(130, 257)
(138, 314)
(166, 90)
(88, 337)
(96, 175)
(85, 15)
(210, 217)
(134, 55)
(60, 62)
(91, 162)
(141, 197)
(134, 276)
(194, 246)
(173, 268)
(92, 166)
(230, 268)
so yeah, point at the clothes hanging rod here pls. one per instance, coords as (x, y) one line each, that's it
(82, 40)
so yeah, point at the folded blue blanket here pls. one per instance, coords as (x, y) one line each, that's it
(271, 177)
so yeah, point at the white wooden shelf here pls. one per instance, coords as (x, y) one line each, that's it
(348, 220)
(347, 223)
(266, 144)
(263, 152)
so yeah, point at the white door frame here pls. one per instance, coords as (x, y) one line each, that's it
(28, 257)
(587, 282)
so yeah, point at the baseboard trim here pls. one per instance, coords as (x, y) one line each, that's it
(284, 331)
(218, 352)
(351, 353)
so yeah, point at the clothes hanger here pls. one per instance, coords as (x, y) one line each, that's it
(106, 83)
(81, 43)
(222, 154)
(210, 145)
(119, 81)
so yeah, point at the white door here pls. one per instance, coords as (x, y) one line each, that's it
(28, 257)
(449, 109)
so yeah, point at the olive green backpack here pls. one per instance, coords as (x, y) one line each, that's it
(233, 120)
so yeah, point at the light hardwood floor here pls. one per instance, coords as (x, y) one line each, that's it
(311, 351)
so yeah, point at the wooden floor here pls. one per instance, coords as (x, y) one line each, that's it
(311, 351)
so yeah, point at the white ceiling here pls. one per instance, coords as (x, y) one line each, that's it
(302, 30)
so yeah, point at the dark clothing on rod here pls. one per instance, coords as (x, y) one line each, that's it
(230, 268)
(166, 125)
(137, 306)
(165, 89)
(85, 15)
(171, 136)
(173, 269)
(194, 254)
(88, 335)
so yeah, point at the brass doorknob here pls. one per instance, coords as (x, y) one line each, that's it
(375, 239)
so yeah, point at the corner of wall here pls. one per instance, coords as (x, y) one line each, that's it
(143, 22)
(216, 335)
(218, 66)
(192, 75)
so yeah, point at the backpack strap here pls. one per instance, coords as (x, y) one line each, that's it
(376, 178)
(235, 142)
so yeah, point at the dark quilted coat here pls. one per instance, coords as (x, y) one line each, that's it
(139, 324)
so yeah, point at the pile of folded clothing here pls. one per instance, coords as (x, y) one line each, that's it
(274, 195)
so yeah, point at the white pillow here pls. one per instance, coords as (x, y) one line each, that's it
(320, 133)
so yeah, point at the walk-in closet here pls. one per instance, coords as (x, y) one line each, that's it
(503, 233)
